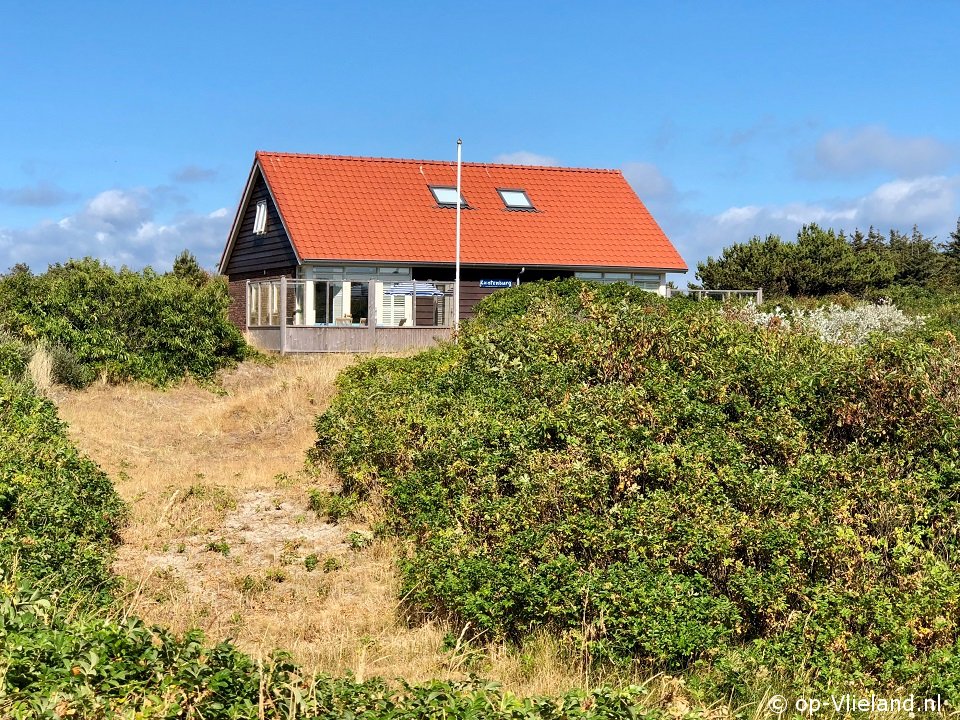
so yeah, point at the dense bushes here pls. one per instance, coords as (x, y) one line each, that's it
(122, 324)
(661, 482)
(822, 262)
(54, 665)
(61, 654)
(59, 512)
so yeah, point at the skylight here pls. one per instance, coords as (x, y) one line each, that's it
(516, 199)
(447, 196)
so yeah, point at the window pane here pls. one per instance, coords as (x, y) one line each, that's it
(446, 196)
(515, 199)
(393, 272)
(355, 271)
(589, 275)
(616, 276)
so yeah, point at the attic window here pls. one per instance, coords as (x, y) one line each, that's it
(446, 196)
(515, 199)
(260, 219)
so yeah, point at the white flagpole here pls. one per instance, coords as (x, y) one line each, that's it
(456, 276)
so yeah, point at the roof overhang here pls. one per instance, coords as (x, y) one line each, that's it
(426, 263)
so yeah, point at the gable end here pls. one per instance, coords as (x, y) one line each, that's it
(250, 252)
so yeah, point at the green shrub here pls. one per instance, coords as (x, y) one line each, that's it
(55, 665)
(122, 324)
(59, 513)
(14, 357)
(332, 506)
(662, 483)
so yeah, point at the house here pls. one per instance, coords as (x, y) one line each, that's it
(331, 253)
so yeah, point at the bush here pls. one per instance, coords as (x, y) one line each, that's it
(54, 665)
(833, 323)
(14, 357)
(59, 513)
(659, 482)
(122, 324)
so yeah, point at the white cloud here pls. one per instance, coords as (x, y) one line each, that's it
(648, 182)
(119, 227)
(524, 157)
(871, 149)
(117, 209)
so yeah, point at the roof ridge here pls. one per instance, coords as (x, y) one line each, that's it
(361, 158)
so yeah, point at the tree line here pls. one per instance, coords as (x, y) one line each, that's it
(823, 261)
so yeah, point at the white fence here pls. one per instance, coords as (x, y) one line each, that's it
(754, 296)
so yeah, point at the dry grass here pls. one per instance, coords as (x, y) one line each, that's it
(40, 370)
(220, 531)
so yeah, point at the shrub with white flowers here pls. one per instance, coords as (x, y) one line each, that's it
(836, 324)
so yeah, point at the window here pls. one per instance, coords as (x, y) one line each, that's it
(645, 281)
(515, 199)
(260, 220)
(446, 196)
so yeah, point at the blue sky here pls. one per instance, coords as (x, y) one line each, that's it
(128, 129)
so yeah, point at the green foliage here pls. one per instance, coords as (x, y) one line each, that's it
(186, 267)
(122, 324)
(658, 481)
(219, 546)
(754, 264)
(332, 506)
(823, 262)
(55, 665)
(59, 514)
(14, 357)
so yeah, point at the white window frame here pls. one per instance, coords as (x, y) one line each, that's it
(260, 219)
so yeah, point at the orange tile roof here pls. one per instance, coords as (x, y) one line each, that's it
(378, 209)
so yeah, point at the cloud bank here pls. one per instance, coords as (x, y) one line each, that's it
(119, 227)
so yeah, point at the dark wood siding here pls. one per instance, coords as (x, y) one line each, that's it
(470, 291)
(424, 310)
(266, 254)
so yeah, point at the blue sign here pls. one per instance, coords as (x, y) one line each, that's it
(496, 283)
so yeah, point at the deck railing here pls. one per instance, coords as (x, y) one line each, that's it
(302, 316)
(754, 296)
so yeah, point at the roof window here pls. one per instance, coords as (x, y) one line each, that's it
(515, 199)
(260, 219)
(446, 196)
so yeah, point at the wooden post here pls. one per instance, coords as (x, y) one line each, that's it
(283, 314)
(759, 296)
(372, 312)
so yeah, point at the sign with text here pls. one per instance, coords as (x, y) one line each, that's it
(496, 283)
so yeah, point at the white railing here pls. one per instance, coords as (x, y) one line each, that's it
(287, 314)
(754, 296)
